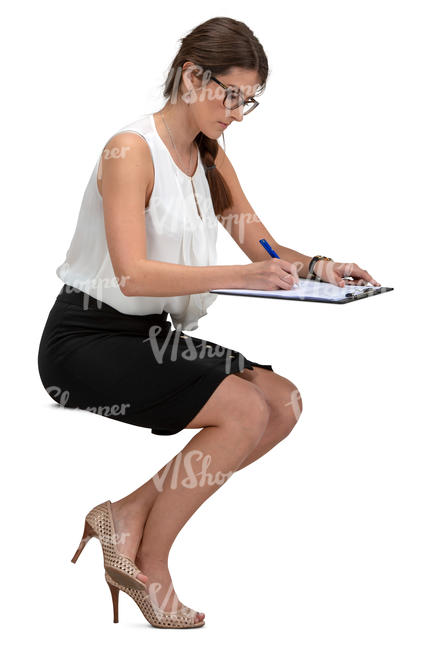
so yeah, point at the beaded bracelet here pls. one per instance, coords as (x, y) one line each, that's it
(316, 258)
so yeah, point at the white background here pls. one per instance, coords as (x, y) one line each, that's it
(329, 539)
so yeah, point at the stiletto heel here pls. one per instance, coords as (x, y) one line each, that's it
(114, 593)
(121, 573)
(88, 532)
(183, 617)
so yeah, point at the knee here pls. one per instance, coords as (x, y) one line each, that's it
(249, 412)
(288, 408)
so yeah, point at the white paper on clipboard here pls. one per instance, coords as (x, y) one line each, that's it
(307, 289)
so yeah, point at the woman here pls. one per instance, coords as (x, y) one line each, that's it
(107, 345)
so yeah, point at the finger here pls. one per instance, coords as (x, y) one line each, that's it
(285, 284)
(342, 282)
(295, 276)
(363, 276)
(290, 268)
(289, 279)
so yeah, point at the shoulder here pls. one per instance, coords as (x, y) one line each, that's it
(126, 157)
(126, 152)
(127, 144)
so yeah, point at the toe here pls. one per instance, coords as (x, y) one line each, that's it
(142, 577)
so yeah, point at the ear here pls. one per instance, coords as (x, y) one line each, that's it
(191, 76)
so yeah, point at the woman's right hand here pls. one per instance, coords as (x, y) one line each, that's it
(269, 275)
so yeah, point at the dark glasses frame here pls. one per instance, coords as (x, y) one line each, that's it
(230, 89)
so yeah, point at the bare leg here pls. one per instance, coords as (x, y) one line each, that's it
(131, 512)
(145, 512)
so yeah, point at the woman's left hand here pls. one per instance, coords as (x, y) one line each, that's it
(334, 272)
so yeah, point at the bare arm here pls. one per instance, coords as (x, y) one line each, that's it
(127, 183)
(155, 278)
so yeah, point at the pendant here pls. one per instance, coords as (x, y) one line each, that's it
(195, 198)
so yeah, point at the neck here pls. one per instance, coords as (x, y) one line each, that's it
(179, 119)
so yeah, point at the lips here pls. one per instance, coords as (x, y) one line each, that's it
(223, 125)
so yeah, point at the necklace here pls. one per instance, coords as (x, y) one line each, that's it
(177, 152)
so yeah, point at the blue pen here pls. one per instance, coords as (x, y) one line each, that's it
(268, 248)
(271, 252)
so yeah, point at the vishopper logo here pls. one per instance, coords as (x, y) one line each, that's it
(62, 396)
(112, 153)
(191, 479)
(160, 605)
(115, 152)
(295, 403)
(95, 286)
(190, 350)
(113, 539)
(177, 218)
(207, 91)
(235, 223)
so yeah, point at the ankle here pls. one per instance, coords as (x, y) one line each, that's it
(148, 561)
(141, 498)
(128, 506)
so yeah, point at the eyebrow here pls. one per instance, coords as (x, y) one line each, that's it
(239, 90)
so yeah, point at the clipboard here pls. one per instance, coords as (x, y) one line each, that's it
(312, 291)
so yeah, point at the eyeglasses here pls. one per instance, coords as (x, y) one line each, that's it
(233, 98)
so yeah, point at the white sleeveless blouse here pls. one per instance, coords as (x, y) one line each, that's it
(174, 233)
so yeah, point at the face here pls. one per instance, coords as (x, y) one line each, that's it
(211, 116)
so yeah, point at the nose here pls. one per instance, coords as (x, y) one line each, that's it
(235, 113)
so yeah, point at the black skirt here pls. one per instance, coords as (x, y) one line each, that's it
(134, 369)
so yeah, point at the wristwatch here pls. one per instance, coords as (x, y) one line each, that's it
(316, 258)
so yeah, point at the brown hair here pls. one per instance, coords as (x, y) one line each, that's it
(217, 45)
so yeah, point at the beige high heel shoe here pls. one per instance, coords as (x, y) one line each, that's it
(121, 573)
(182, 617)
